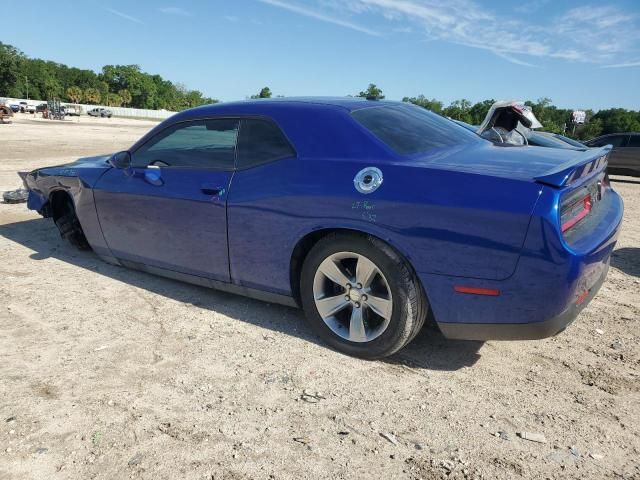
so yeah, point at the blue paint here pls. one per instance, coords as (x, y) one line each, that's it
(471, 214)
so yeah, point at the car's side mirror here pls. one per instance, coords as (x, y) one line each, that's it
(120, 160)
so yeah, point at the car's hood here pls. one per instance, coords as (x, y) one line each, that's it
(502, 160)
(87, 168)
(99, 161)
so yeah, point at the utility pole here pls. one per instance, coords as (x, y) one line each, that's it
(26, 79)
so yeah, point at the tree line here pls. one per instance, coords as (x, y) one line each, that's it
(553, 119)
(115, 85)
(129, 86)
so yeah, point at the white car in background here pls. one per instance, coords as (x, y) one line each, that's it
(25, 107)
(72, 110)
(100, 112)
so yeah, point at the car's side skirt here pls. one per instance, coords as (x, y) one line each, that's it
(209, 283)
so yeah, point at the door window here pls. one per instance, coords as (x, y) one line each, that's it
(615, 140)
(634, 141)
(261, 141)
(197, 144)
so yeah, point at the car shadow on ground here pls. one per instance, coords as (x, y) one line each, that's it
(627, 260)
(430, 350)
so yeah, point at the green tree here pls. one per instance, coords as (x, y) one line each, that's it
(9, 69)
(52, 87)
(424, 102)
(618, 120)
(479, 111)
(113, 100)
(372, 92)
(125, 96)
(552, 118)
(74, 94)
(92, 96)
(50, 79)
(591, 129)
(264, 93)
(459, 110)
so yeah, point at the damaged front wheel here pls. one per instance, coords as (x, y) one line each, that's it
(69, 226)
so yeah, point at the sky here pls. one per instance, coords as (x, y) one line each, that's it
(581, 54)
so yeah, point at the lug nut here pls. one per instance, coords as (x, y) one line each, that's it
(359, 285)
(357, 304)
(347, 297)
(348, 286)
(364, 298)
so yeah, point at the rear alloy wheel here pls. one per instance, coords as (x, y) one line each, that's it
(356, 307)
(360, 296)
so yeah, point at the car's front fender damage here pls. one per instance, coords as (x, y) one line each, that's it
(76, 180)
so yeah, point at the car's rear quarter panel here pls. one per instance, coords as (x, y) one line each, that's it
(443, 222)
(550, 277)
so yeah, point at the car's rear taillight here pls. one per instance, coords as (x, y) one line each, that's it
(575, 210)
(577, 205)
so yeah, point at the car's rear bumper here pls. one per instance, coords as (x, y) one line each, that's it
(521, 331)
(552, 284)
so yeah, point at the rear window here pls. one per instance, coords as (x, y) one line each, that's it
(571, 141)
(541, 140)
(614, 140)
(408, 129)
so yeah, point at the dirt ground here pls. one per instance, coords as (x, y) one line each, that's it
(109, 373)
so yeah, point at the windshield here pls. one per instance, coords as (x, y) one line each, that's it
(542, 140)
(408, 129)
(571, 141)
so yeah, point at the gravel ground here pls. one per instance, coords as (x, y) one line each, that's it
(111, 373)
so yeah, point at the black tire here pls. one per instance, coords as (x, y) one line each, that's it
(70, 228)
(410, 305)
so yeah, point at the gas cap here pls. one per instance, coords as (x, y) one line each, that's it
(368, 180)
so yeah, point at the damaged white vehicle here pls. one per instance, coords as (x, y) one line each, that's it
(509, 122)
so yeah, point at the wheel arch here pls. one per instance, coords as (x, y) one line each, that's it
(309, 240)
(58, 202)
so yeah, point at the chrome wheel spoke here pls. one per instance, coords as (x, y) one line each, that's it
(365, 271)
(333, 272)
(329, 306)
(357, 331)
(381, 306)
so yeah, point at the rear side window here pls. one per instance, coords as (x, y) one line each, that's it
(408, 129)
(541, 140)
(634, 141)
(261, 141)
(196, 144)
(615, 140)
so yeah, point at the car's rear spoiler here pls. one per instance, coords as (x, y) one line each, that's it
(594, 159)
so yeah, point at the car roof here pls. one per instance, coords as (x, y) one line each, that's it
(316, 126)
(616, 133)
(265, 105)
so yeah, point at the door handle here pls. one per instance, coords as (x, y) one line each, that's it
(212, 190)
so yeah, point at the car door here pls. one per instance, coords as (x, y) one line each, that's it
(168, 210)
(630, 155)
(616, 156)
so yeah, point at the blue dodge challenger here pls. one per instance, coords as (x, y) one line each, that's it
(367, 214)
